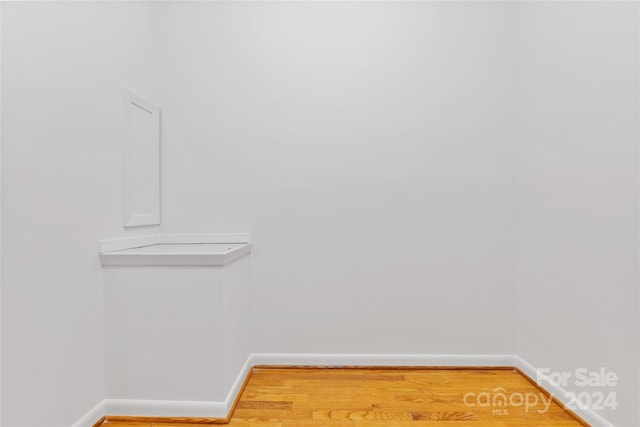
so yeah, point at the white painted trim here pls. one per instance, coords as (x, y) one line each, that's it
(134, 216)
(110, 245)
(587, 414)
(382, 359)
(173, 408)
(236, 387)
(178, 254)
(91, 417)
(165, 408)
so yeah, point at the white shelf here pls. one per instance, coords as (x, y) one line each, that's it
(196, 250)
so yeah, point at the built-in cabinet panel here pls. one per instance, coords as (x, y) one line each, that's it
(164, 333)
(176, 328)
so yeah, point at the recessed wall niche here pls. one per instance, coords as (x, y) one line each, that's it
(141, 160)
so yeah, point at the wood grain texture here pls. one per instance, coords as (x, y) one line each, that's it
(377, 397)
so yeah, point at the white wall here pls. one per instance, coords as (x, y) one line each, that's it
(366, 147)
(62, 67)
(577, 193)
(0, 214)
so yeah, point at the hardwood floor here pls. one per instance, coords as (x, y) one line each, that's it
(336, 397)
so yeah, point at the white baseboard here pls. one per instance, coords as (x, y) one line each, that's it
(180, 408)
(279, 359)
(164, 408)
(587, 414)
(236, 387)
(93, 416)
